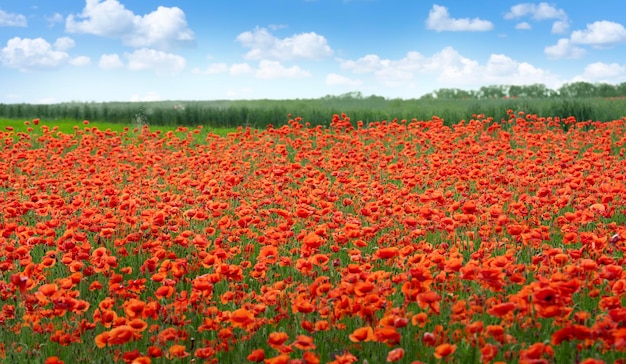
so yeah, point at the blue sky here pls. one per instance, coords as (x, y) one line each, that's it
(136, 50)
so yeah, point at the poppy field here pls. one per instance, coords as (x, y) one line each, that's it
(403, 241)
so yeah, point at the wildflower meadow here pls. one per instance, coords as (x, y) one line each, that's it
(408, 241)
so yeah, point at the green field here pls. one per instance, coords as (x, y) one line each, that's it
(68, 126)
(261, 113)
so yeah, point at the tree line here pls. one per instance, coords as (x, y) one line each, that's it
(538, 90)
(582, 100)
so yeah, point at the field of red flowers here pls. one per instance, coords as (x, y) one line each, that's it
(400, 241)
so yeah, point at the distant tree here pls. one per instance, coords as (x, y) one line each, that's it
(577, 89)
(516, 91)
(428, 96)
(466, 94)
(375, 98)
(352, 95)
(445, 93)
(493, 92)
(536, 90)
(606, 90)
(452, 94)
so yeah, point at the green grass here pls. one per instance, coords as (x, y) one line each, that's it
(67, 126)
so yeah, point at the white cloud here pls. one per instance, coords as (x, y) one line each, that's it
(539, 12)
(450, 69)
(80, 61)
(390, 77)
(400, 72)
(560, 26)
(500, 65)
(333, 79)
(604, 72)
(239, 69)
(108, 18)
(54, 19)
(451, 66)
(455, 69)
(28, 54)
(163, 28)
(212, 69)
(519, 10)
(600, 34)
(366, 64)
(64, 43)
(391, 73)
(157, 61)
(12, 20)
(110, 62)
(439, 20)
(523, 26)
(564, 49)
(263, 45)
(150, 96)
(269, 69)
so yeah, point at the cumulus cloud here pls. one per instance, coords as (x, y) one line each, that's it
(239, 69)
(500, 65)
(80, 61)
(54, 19)
(212, 69)
(450, 68)
(110, 62)
(439, 20)
(523, 26)
(12, 20)
(373, 63)
(163, 28)
(453, 68)
(333, 79)
(269, 69)
(564, 49)
(264, 45)
(154, 60)
(604, 72)
(539, 12)
(560, 26)
(600, 34)
(450, 65)
(64, 43)
(366, 64)
(391, 73)
(30, 54)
